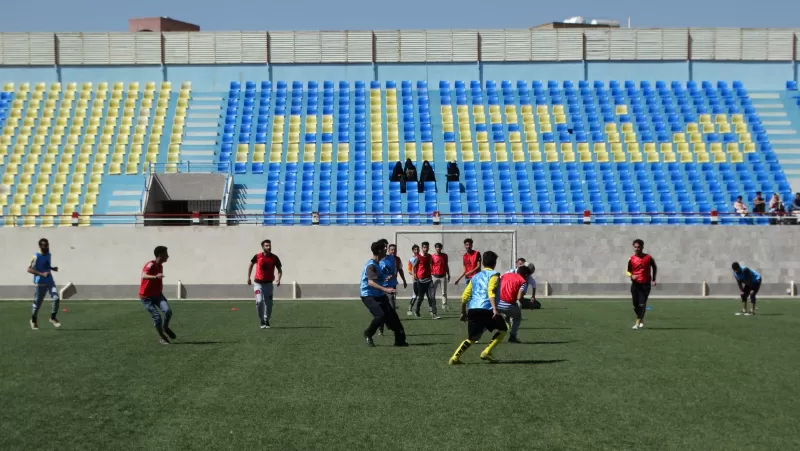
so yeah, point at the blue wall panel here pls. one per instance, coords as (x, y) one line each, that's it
(125, 74)
(533, 71)
(213, 77)
(755, 75)
(322, 72)
(35, 74)
(637, 71)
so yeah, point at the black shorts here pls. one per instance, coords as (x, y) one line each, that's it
(479, 320)
(640, 292)
(752, 289)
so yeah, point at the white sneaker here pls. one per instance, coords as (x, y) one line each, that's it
(641, 325)
(409, 313)
(635, 326)
(435, 316)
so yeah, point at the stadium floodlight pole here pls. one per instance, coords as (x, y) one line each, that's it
(513, 234)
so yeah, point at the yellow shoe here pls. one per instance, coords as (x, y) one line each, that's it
(488, 357)
(455, 361)
(55, 323)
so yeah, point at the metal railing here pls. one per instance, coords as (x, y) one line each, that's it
(323, 219)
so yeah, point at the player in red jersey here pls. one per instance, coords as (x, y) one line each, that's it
(266, 264)
(440, 269)
(639, 270)
(472, 262)
(513, 286)
(152, 296)
(422, 274)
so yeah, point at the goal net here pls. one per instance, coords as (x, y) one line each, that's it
(502, 242)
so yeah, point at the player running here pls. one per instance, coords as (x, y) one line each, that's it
(479, 310)
(266, 264)
(472, 262)
(513, 286)
(391, 267)
(422, 274)
(749, 282)
(414, 284)
(440, 270)
(152, 296)
(42, 270)
(373, 295)
(639, 270)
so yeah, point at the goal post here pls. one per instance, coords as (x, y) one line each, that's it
(502, 242)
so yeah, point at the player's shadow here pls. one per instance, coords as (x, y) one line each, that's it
(83, 329)
(431, 335)
(670, 328)
(546, 342)
(530, 362)
(427, 344)
(303, 327)
(769, 314)
(201, 342)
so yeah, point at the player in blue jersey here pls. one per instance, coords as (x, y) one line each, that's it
(479, 309)
(391, 268)
(42, 269)
(749, 282)
(373, 295)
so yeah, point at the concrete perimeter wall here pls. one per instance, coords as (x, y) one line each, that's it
(326, 262)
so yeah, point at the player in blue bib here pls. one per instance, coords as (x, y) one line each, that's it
(374, 292)
(42, 271)
(749, 282)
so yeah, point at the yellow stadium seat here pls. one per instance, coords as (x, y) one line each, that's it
(551, 157)
(719, 157)
(585, 157)
(699, 147)
(132, 168)
(703, 157)
(535, 157)
(669, 157)
(633, 147)
(736, 157)
(602, 157)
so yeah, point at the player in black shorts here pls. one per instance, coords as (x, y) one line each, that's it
(479, 310)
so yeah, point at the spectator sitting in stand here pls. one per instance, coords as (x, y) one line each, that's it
(794, 207)
(759, 206)
(399, 176)
(426, 175)
(776, 206)
(453, 173)
(740, 207)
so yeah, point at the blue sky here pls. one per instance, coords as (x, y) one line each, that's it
(213, 15)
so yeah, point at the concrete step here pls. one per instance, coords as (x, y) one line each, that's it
(208, 98)
(204, 107)
(197, 153)
(200, 124)
(201, 134)
(123, 203)
(778, 123)
(782, 131)
(772, 106)
(199, 143)
(764, 95)
(772, 113)
(191, 116)
(792, 173)
(126, 193)
(785, 141)
(786, 150)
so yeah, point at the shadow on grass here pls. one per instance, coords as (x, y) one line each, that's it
(302, 327)
(669, 328)
(769, 314)
(529, 362)
(546, 342)
(426, 344)
(545, 328)
(431, 335)
(201, 342)
(83, 329)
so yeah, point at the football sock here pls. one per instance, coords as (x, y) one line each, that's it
(498, 337)
(461, 348)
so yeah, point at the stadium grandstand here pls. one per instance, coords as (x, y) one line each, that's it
(565, 126)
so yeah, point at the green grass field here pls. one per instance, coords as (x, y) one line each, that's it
(698, 377)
